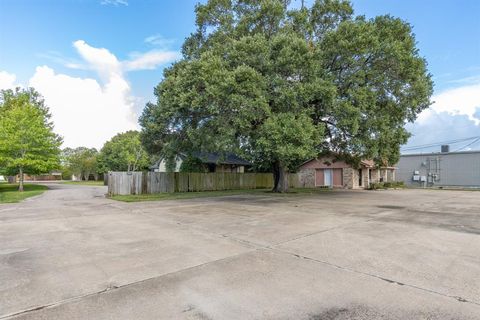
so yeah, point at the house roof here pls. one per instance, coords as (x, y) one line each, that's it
(365, 162)
(217, 158)
(211, 158)
(368, 163)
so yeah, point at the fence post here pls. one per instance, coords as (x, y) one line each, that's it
(176, 179)
(144, 182)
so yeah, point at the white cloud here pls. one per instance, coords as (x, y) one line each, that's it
(105, 63)
(87, 112)
(149, 60)
(84, 112)
(159, 41)
(7, 80)
(467, 80)
(114, 2)
(441, 128)
(455, 114)
(100, 60)
(60, 59)
(458, 101)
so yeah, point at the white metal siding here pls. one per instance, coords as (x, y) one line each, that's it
(454, 169)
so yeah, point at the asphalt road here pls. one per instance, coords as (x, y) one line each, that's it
(405, 254)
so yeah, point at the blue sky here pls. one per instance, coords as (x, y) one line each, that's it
(90, 58)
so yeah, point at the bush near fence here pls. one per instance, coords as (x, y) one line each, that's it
(126, 183)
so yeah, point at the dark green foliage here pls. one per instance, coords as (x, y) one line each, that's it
(170, 163)
(81, 162)
(124, 152)
(192, 164)
(278, 86)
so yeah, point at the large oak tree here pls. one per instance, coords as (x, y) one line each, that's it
(280, 84)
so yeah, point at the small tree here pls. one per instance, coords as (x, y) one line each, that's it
(124, 152)
(27, 141)
(81, 161)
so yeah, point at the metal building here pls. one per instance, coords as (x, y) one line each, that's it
(440, 169)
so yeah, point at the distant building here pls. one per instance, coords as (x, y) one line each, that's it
(328, 171)
(212, 162)
(51, 176)
(455, 169)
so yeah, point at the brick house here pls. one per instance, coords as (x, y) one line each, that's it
(328, 171)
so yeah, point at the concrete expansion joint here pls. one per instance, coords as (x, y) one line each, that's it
(321, 231)
(111, 287)
(298, 256)
(245, 242)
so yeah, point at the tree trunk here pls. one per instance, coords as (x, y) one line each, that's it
(20, 185)
(280, 178)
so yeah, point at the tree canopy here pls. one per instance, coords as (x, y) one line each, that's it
(27, 141)
(279, 85)
(81, 161)
(124, 152)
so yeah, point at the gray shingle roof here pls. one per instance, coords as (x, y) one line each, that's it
(210, 157)
(228, 158)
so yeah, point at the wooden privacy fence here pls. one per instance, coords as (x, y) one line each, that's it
(126, 183)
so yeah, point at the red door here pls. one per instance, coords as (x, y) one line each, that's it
(319, 178)
(337, 177)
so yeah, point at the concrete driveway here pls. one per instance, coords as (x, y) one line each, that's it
(409, 254)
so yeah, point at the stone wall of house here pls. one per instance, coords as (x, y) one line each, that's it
(306, 178)
(391, 175)
(348, 177)
(383, 175)
(375, 175)
(365, 178)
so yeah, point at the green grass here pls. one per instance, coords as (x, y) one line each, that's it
(84, 183)
(208, 194)
(9, 192)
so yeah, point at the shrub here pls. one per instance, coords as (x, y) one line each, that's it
(386, 185)
(192, 164)
(66, 174)
(398, 184)
(376, 186)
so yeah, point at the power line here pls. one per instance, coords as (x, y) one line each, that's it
(430, 145)
(473, 142)
(443, 142)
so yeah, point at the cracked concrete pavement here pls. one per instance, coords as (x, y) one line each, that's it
(400, 254)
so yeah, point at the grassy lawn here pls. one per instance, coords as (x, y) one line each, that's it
(84, 183)
(9, 192)
(206, 194)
